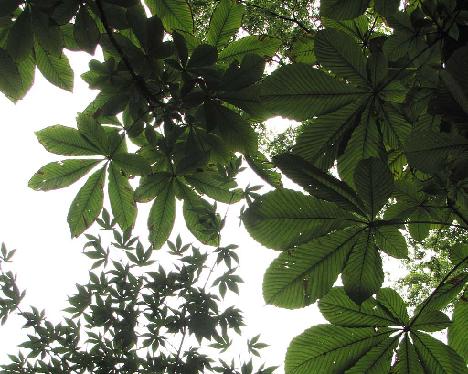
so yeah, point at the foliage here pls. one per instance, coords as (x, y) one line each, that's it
(383, 149)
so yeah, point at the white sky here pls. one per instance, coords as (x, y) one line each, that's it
(48, 263)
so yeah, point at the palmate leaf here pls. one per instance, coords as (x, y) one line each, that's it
(319, 183)
(457, 330)
(132, 163)
(299, 277)
(378, 359)
(407, 361)
(263, 167)
(87, 204)
(299, 92)
(121, 198)
(162, 214)
(431, 321)
(151, 186)
(330, 349)
(60, 174)
(340, 53)
(389, 300)
(284, 218)
(174, 14)
(224, 23)
(343, 9)
(56, 69)
(390, 240)
(65, 141)
(215, 186)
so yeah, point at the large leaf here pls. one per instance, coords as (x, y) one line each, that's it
(60, 174)
(86, 31)
(10, 79)
(299, 277)
(132, 163)
(162, 215)
(329, 349)
(21, 38)
(392, 302)
(378, 359)
(407, 361)
(151, 186)
(437, 357)
(174, 14)
(319, 183)
(299, 91)
(56, 69)
(363, 274)
(264, 46)
(225, 22)
(374, 184)
(390, 240)
(283, 219)
(341, 54)
(215, 186)
(264, 169)
(340, 310)
(121, 198)
(343, 9)
(87, 204)
(67, 141)
(457, 330)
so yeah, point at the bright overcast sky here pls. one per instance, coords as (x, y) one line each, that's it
(48, 263)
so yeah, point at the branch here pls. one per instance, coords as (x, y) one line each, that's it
(277, 15)
(138, 80)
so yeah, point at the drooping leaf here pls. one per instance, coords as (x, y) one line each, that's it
(56, 69)
(121, 198)
(21, 38)
(339, 53)
(86, 31)
(46, 33)
(60, 174)
(299, 277)
(224, 23)
(329, 349)
(284, 218)
(10, 79)
(162, 215)
(67, 141)
(87, 204)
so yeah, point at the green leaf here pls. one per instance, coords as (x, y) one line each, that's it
(264, 46)
(303, 50)
(363, 274)
(319, 183)
(429, 151)
(47, 34)
(390, 240)
(329, 349)
(378, 359)
(299, 277)
(392, 302)
(20, 38)
(60, 174)
(432, 321)
(203, 55)
(162, 215)
(436, 356)
(174, 14)
(407, 361)
(10, 79)
(343, 9)
(387, 7)
(283, 219)
(85, 31)
(93, 131)
(56, 69)
(132, 163)
(340, 310)
(27, 72)
(374, 184)
(299, 92)
(249, 72)
(457, 330)
(151, 186)
(87, 204)
(339, 53)
(215, 186)
(121, 198)
(66, 141)
(264, 169)
(225, 22)
(357, 27)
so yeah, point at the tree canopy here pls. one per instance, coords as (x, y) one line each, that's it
(380, 161)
